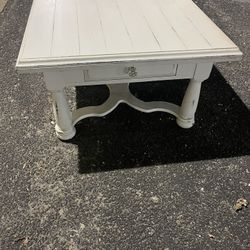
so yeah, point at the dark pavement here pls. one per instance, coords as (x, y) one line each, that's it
(128, 180)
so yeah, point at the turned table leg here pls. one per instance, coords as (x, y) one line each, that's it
(189, 104)
(55, 84)
(186, 116)
(64, 126)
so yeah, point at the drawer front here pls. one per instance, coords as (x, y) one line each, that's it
(129, 71)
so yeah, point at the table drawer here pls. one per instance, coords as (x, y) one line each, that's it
(129, 71)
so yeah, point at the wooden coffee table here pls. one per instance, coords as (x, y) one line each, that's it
(117, 42)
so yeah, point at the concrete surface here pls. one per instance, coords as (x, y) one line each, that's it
(128, 180)
(2, 4)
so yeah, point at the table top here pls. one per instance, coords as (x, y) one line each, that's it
(70, 32)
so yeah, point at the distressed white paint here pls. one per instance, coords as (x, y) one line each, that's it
(119, 93)
(185, 117)
(64, 126)
(116, 42)
(66, 32)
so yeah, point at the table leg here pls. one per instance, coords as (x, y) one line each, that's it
(189, 104)
(64, 126)
(191, 98)
(55, 84)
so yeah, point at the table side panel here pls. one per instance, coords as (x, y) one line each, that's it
(114, 73)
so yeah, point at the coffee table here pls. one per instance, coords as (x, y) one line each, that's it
(118, 42)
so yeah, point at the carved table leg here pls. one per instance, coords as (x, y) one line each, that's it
(190, 101)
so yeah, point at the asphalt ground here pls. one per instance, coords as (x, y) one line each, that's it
(128, 180)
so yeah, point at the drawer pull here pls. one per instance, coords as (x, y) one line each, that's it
(131, 71)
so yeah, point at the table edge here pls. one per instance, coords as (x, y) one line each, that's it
(43, 64)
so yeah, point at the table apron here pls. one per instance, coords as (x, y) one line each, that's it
(116, 73)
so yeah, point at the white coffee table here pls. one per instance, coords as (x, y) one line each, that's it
(117, 42)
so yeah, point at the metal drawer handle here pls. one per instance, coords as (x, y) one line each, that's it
(131, 71)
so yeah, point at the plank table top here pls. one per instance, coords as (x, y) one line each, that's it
(77, 32)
